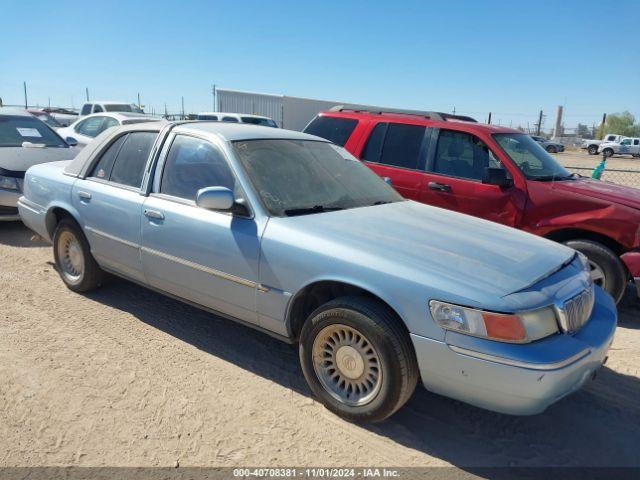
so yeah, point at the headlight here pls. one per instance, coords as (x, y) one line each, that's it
(9, 183)
(584, 261)
(522, 327)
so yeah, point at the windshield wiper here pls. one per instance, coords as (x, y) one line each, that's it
(381, 202)
(551, 178)
(307, 210)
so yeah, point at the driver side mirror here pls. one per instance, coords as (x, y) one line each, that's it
(72, 142)
(215, 198)
(496, 176)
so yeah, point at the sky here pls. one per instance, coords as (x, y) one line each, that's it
(511, 58)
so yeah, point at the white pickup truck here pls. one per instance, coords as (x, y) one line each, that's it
(627, 146)
(592, 145)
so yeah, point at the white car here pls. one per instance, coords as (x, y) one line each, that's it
(627, 146)
(87, 128)
(101, 106)
(238, 118)
(591, 145)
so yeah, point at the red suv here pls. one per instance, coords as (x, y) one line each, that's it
(499, 174)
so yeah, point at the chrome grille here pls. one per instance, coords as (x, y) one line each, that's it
(576, 311)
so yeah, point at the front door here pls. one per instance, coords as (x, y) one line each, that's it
(110, 204)
(207, 257)
(454, 179)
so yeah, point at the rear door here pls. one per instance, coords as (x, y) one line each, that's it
(398, 151)
(454, 179)
(110, 203)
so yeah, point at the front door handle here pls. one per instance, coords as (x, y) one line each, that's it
(154, 214)
(84, 195)
(441, 187)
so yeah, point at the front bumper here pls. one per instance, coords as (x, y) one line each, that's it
(9, 205)
(632, 262)
(530, 377)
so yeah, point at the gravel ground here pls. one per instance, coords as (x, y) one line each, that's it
(126, 377)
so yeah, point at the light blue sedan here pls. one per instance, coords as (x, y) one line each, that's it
(290, 234)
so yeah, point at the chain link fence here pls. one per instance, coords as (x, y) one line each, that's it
(630, 178)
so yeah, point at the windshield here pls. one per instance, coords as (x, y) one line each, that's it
(17, 129)
(265, 122)
(531, 158)
(297, 177)
(122, 107)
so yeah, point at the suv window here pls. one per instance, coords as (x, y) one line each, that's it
(636, 142)
(626, 141)
(336, 130)
(102, 169)
(402, 145)
(463, 155)
(230, 119)
(108, 123)
(90, 127)
(86, 109)
(97, 109)
(193, 164)
(132, 158)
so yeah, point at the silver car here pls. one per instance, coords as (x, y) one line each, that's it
(290, 234)
(548, 145)
(24, 141)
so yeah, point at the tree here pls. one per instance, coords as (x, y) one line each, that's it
(620, 124)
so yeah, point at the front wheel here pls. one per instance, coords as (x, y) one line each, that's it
(358, 359)
(75, 264)
(607, 270)
(592, 150)
(608, 152)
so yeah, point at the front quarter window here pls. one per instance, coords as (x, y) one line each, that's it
(531, 158)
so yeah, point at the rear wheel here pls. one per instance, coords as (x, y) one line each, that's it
(552, 149)
(358, 359)
(607, 270)
(592, 150)
(75, 264)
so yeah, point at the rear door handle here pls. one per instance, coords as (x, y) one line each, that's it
(84, 195)
(441, 187)
(154, 214)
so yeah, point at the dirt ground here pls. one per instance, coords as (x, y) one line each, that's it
(126, 377)
(580, 158)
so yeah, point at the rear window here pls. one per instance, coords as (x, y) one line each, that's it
(336, 130)
(119, 107)
(207, 117)
(17, 129)
(265, 122)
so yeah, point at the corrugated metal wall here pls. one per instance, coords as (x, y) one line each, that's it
(293, 113)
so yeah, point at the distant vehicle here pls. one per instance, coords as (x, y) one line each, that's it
(592, 145)
(100, 106)
(24, 141)
(64, 116)
(292, 235)
(45, 117)
(548, 145)
(87, 128)
(627, 146)
(237, 118)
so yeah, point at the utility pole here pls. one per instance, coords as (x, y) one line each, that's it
(86, 91)
(454, 110)
(213, 97)
(539, 123)
(182, 108)
(139, 104)
(558, 130)
(49, 101)
(26, 104)
(489, 119)
(166, 114)
(604, 121)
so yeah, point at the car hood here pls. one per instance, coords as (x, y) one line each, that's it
(611, 192)
(19, 159)
(431, 245)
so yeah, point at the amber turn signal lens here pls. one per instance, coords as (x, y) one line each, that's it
(504, 327)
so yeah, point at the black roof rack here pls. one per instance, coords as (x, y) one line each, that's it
(441, 116)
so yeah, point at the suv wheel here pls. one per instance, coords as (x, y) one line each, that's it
(75, 264)
(357, 359)
(593, 149)
(607, 270)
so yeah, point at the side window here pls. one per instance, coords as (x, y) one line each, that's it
(460, 154)
(373, 147)
(334, 129)
(102, 169)
(636, 142)
(132, 158)
(86, 109)
(97, 109)
(626, 142)
(108, 123)
(230, 119)
(402, 145)
(90, 127)
(193, 164)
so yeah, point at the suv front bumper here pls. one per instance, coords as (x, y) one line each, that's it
(9, 205)
(519, 386)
